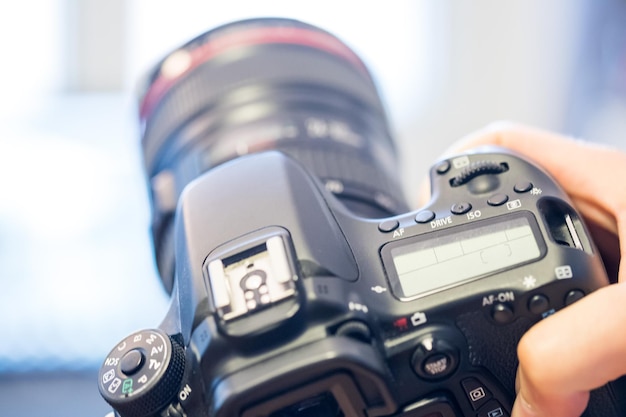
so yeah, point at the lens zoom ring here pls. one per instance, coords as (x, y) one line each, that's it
(354, 169)
(198, 91)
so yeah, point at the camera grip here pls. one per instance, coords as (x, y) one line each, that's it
(494, 347)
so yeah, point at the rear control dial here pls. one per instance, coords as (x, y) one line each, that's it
(142, 374)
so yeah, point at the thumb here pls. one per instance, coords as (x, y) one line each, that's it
(568, 354)
(529, 404)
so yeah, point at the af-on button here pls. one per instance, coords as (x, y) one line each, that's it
(502, 313)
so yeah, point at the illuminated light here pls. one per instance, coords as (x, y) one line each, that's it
(401, 323)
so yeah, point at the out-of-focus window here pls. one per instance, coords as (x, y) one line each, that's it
(75, 257)
(75, 262)
(76, 267)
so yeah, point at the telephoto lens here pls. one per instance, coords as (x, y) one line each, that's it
(265, 84)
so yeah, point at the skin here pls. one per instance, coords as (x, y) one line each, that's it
(583, 346)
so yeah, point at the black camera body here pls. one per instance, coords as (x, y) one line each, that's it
(301, 285)
(288, 304)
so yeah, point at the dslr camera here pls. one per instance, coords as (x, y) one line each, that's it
(301, 285)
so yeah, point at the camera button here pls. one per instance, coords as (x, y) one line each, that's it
(573, 296)
(538, 304)
(502, 313)
(437, 365)
(476, 392)
(388, 226)
(523, 186)
(424, 216)
(492, 409)
(498, 199)
(461, 208)
(132, 361)
(443, 167)
(434, 359)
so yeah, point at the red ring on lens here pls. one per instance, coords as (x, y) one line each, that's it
(243, 38)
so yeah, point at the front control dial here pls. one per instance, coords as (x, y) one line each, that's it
(477, 169)
(142, 374)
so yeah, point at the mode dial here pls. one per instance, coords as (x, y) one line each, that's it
(142, 374)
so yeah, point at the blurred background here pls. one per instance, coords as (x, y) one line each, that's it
(75, 258)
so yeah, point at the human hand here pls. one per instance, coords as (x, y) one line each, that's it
(582, 347)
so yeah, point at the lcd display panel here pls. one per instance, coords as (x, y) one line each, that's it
(439, 260)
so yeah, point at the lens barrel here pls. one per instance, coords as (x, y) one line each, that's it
(266, 84)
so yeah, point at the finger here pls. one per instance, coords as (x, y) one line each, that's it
(574, 405)
(589, 174)
(424, 193)
(584, 170)
(555, 376)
